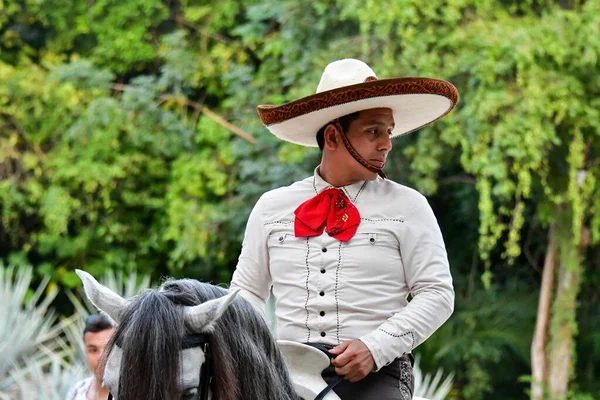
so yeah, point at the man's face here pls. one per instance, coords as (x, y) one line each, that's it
(94, 347)
(369, 134)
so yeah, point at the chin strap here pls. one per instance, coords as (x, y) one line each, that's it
(355, 154)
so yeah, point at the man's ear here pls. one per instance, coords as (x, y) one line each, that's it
(330, 137)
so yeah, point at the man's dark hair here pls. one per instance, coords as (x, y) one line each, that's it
(345, 122)
(97, 323)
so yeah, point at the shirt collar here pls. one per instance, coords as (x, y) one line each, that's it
(352, 191)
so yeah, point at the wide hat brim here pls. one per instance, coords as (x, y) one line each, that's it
(414, 101)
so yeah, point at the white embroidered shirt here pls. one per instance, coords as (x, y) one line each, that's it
(328, 291)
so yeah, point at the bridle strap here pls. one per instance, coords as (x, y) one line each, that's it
(206, 372)
(354, 153)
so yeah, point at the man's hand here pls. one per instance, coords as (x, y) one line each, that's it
(354, 360)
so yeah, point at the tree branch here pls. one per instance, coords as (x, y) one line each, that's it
(185, 102)
(181, 20)
(210, 114)
(459, 179)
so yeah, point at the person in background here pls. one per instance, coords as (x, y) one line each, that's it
(96, 334)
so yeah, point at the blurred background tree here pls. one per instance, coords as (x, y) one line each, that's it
(129, 142)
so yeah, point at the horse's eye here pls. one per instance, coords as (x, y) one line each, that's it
(190, 394)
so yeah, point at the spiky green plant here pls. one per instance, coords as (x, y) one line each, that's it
(51, 382)
(27, 325)
(42, 358)
(431, 387)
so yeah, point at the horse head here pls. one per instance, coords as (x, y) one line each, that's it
(197, 319)
(164, 338)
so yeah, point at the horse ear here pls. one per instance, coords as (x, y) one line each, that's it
(201, 317)
(102, 297)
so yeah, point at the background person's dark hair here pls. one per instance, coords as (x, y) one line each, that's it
(345, 122)
(97, 323)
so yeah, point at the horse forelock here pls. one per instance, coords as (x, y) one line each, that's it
(246, 360)
(247, 363)
(149, 337)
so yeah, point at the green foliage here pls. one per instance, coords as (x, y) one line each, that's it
(527, 92)
(488, 329)
(122, 165)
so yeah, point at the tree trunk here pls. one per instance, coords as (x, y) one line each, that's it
(563, 330)
(539, 368)
(552, 355)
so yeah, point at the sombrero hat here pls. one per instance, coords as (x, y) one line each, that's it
(350, 85)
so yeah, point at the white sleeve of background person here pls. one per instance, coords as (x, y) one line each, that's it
(252, 274)
(427, 274)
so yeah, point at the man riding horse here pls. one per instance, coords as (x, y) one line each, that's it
(343, 249)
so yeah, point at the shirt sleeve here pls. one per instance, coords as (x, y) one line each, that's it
(252, 273)
(427, 274)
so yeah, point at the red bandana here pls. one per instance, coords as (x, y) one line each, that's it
(331, 207)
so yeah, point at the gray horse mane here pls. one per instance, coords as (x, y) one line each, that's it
(246, 359)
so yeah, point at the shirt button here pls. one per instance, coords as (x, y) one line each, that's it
(322, 334)
(321, 293)
(372, 240)
(281, 238)
(322, 313)
(324, 249)
(322, 270)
